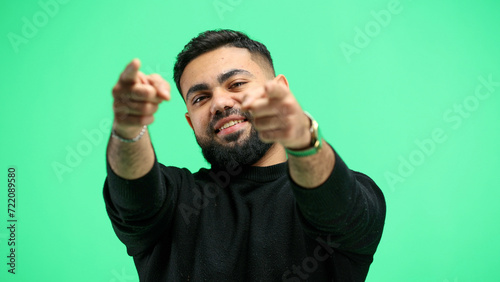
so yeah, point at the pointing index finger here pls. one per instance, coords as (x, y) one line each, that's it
(252, 95)
(129, 75)
(274, 90)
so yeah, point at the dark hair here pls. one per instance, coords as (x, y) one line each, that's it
(211, 40)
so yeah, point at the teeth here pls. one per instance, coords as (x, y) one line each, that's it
(231, 123)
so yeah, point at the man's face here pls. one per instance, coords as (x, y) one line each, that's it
(212, 86)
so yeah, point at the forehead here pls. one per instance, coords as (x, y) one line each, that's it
(206, 67)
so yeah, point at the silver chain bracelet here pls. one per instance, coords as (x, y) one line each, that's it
(135, 139)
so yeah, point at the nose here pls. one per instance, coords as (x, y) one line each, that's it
(221, 101)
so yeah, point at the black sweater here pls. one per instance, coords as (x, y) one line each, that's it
(246, 224)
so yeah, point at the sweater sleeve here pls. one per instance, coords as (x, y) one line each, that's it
(141, 210)
(348, 209)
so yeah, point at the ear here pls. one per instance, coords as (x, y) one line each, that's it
(189, 120)
(281, 79)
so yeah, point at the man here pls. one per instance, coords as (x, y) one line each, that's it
(278, 203)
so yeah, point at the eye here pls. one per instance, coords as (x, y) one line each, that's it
(198, 99)
(236, 84)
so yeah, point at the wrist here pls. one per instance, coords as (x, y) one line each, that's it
(128, 134)
(315, 141)
(303, 141)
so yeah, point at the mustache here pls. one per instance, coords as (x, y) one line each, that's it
(227, 112)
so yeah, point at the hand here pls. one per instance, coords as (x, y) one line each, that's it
(136, 99)
(277, 116)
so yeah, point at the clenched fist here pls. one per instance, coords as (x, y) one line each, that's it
(136, 99)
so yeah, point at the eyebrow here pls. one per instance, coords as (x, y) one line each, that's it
(221, 78)
(225, 76)
(196, 87)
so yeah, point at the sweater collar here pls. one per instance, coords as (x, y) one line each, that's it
(256, 173)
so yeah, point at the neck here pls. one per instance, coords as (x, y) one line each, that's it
(275, 155)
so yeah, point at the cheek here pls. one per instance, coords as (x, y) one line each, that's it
(200, 126)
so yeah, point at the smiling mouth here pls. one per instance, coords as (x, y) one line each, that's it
(229, 124)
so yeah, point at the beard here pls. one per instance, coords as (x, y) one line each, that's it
(242, 152)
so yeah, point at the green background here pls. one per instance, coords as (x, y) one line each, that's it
(400, 85)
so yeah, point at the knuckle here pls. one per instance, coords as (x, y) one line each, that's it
(283, 123)
(143, 92)
(146, 119)
(287, 134)
(122, 118)
(257, 122)
(122, 100)
(137, 90)
(262, 135)
(118, 107)
(116, 90)
(155, 76)
(270, 134)
(145, 108)
(149, 91)
(287, 107)
(152, 108)
(142, 107)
